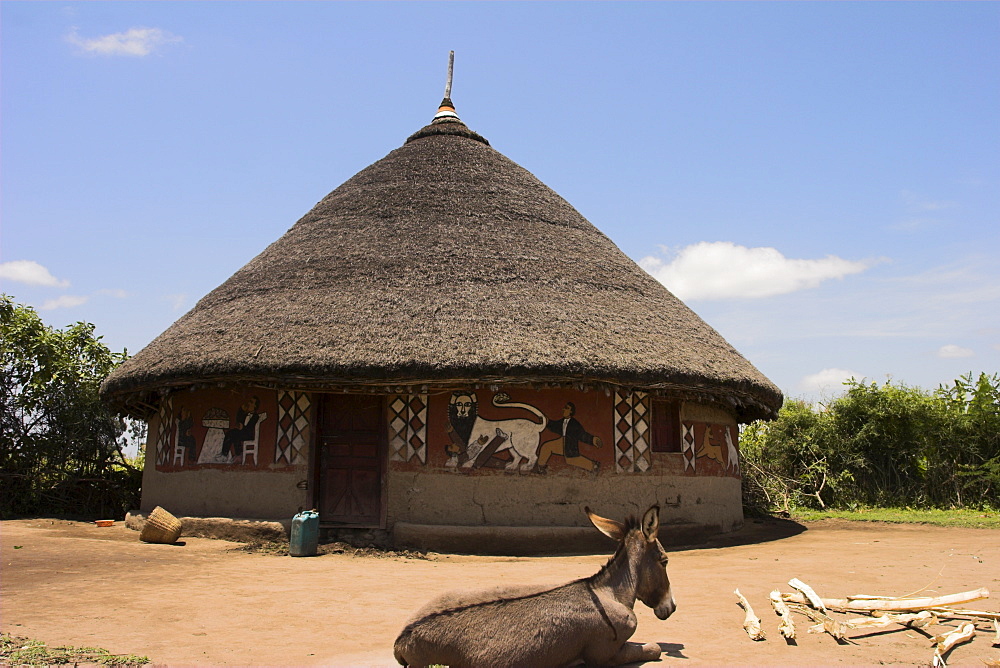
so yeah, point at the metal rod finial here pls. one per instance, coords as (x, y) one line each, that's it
(451, 70)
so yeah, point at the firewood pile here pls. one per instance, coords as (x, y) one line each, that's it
(841, 617)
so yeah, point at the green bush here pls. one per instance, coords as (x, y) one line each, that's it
(60, 446)
(888, 445)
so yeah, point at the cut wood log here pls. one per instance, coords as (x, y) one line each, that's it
(956, 613)
(831, 626)
(787, 627)
(945, 642)
(916, 620)
(869, 622)
(811, 597)
(751, 622)
(923, 619)
(806, 611)
(824, 623)
(897, 605)
(996, 628)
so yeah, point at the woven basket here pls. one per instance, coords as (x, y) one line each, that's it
(160, 527)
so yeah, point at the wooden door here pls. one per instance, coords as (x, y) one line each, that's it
(350, 439)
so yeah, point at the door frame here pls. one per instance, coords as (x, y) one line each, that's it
(382, 450)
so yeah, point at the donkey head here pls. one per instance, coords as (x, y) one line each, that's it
(638, 543)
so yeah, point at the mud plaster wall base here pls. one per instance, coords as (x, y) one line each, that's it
(530, 500)
(212, 493)
(221, 493)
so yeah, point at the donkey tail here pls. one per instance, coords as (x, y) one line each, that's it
(503, 399)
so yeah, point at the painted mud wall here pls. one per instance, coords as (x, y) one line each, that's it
(238, 452)
(435, 498)
(509, 456)
(478, 457)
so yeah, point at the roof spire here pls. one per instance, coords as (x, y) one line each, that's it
(451, 72)
(446, 111)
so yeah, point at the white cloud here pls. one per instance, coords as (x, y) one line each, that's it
(66, 301)
(176, 301)
(951, 350)
(724, 270)
(69, 301)
(133, 42)
(915, 224)
(921, 212)
(915, 202)
(956, 301)
(826, 380)
(30, 272)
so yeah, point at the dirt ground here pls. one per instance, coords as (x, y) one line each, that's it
(202, 603)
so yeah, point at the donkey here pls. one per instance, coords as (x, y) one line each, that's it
(588, 620)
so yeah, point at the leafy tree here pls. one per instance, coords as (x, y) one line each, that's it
(60, 446)
(881, 435)
(888, 445)
(787, 463)
(972, 462)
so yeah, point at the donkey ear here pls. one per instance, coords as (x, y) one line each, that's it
(609, 528)
(651, 523)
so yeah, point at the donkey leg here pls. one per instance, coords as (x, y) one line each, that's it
(633, 652)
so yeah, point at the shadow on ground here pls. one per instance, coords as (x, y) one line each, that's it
(754, 531)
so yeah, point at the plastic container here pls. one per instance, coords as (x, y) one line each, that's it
(304, 539)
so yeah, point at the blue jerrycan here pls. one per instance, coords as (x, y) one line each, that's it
(305, 534)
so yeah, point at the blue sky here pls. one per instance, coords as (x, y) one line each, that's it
(818, 181)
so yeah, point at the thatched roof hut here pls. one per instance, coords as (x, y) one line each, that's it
(441, 315)
(444, 261)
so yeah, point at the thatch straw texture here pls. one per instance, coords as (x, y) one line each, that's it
(445, 261)
(160, 527)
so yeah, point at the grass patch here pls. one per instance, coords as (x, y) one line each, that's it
(962, 517)
(18, 651)
(279, 548)
(369, 551)
(263, 546)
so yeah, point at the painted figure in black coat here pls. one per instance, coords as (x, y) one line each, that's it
(572, 433)
(185, 437)
(246, 417)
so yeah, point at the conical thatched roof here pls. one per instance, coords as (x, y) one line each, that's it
(444, 261)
